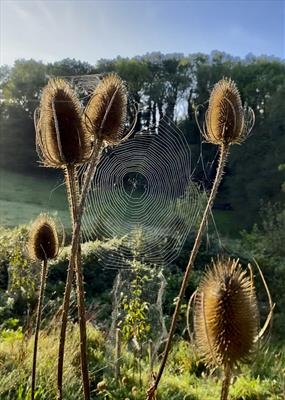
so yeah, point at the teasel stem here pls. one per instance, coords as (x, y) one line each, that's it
(226, 382)
(75, 264)
(82, 324)
(38, 323)
(72, 194)
(224, 151)
(71, 172)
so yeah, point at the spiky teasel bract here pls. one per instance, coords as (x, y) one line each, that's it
(61, 136)
(226, 318)
(227, 121)
(105, 113)
(43, 243)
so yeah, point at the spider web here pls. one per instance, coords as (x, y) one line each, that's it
(84, 85)
(143, 191)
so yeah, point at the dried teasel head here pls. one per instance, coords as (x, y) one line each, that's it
(61, 136)
(226, 318)
(227, 121)
(43, 243)
(105, 113)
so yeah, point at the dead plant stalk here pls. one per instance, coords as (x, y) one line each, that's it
(224, 151)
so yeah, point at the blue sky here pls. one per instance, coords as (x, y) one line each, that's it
(88, 30)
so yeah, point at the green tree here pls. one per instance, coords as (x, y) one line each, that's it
(17, 139)
(69, 67)
(253, 173)
(24, 84)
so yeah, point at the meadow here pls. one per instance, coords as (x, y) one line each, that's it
(23, 197)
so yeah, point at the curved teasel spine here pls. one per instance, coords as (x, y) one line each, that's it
(43, 245)
(105, 113)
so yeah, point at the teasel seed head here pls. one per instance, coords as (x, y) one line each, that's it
(105, 113)
(227, 121)
(43, 243)
(61, 136)
(226, 318)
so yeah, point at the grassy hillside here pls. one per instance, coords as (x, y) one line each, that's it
(23, 197)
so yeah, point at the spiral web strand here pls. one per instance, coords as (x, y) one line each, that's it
(142, 191)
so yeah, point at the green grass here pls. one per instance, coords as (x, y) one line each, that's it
(24, 197)
(182, 379)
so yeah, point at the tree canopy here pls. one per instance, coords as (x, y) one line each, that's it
(172, 85)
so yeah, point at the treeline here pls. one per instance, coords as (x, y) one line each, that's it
(172, 85)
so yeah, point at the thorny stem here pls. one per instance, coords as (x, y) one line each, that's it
(224, 151)
(226, 383)
(38, 322)
(72, 194)
(74, 263)
(79, 285)
(82, 324)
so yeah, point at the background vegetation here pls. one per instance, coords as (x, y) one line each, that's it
(249, 215)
